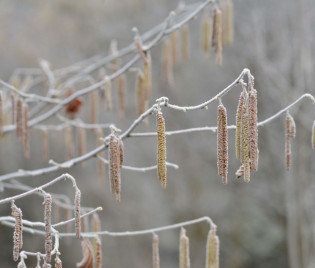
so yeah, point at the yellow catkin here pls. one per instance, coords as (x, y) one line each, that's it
(18, 231)
(94, 106)
(219, 44)
(174, 43)
(26, 141)
(13, 104)
(98, 253)
(155, 251)
(108, 93)
(185, 43)
(167, 62)
(289, 134)
(68, 142)
(229, 33)
(245, 152)
(206, 34)
(184, 259)
(147, 73)
(238, 123)
(161, 148)
(253, 130)
(48, 233)
(77, 212)
(82, 141)
(313, 136)
(1, 113)
(140, 93)
(45, 145)
(222, 144)
(87, 251)
(100, 164)
(114, 165)
(213, 245)
(121, 95)
(19, 118)
(58, 262)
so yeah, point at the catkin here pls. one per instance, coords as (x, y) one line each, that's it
(58, 262)
(87, 251)
(206, 34)
(184, 259)
(115, 151)
(140, 92)
(48, 234)
(82, 141)
(313, 136)
(77, 212)
(161, 149)
(121, 95)
(253, 130)
(185, 43)
(13, 117)
(68, 142)
(26, 141)
(147, 73)
(212, 254)
(45, 145)
(94, 107)
(167, 62)
(18, 231)
(289, 134)
(98, 253)
(229, 33)
(174, 43)
(238, 124)
(1, 113)
(222, 144)
(100, 163)
(155, 251)
(245, 152)
(19, 118)
(108, 93)
(218, 31)
(96, 227)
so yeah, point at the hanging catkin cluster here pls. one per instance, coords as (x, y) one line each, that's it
(289, 135)
(116, 157)
(161, 148)
(18, 231)
(222, 143)
(184, 258)
(212, 254)
(77, 212)
(87, 251)
(155, 252)
(48, 233)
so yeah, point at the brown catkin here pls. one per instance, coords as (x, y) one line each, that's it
(1, 113)
(96, 227)
(140, 93)
(19, 118)
(82, 141)
(94, 106)
(313, 136)
(212, 254)
(289, 134)
(48, 234)
(13, 104)
(108, 93)
(222, 143)
(87, 251)
(58, 262)
(26, 141)
(121, 95)
(161, 148)
(167, 62)
(184, 259)
(45, 144)
(253, 130)
(229, 13)
(147, 73)
(245, 153)
(77, 212)
(155, 251)
(68, 142)
(218, 31)
(100, 164)
(114, 165)
(238, 123)
(174, 43)
(98, 253)
(18, 231)
(185, 43)
(206, 34)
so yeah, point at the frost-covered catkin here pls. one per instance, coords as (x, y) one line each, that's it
(167, 62)
(185, 43)
(206, 34)
(174, 43)
(1, 113)
(161, 149)
(94, 106)
(82, 141)
(121, 95)
(238, 123)
(48, 233)
(18, 231)
(289, 134)
(219, 41)
(140, 92)
(155, 251)
(245, 152)
(100, 164)
(68, 141)
(147, 73)
(114, 165)
(313, 136)
(222, 144)
(87, 251)
(26, 141)
(45, 144)
(19, 118)
(212, 254)
(184, 258)
(98, 253)
(108, 93)
(77, 212)
(253, 130)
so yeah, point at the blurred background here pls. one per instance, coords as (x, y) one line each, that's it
(269, 222)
